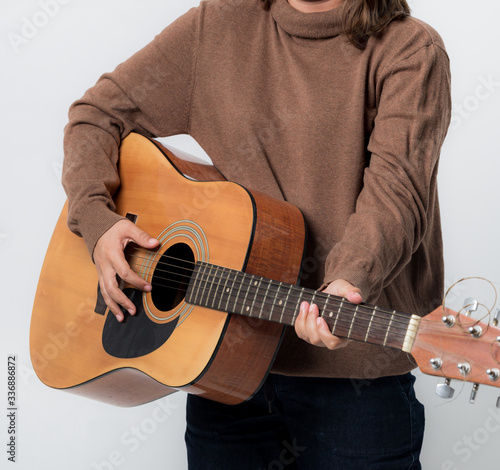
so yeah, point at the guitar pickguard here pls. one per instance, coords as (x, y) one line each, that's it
(137, 335)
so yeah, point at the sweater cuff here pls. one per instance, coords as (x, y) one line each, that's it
(94, 222)
(361, 268)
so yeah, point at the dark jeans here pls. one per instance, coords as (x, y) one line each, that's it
(314, 424)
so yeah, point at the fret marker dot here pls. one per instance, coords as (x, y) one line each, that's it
(227, 290)
(331, 314)
(255, 283)
(248, 309)
(281, 302)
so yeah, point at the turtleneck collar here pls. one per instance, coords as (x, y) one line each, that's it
(307, 25)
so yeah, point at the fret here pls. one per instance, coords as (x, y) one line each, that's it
(297, 305)
(198, 282)
(339, 311)
(206, 289)
(353, 319)
(285, 305)
(327, 306)
(245, 276)
(274, 302)
(264, 299)
(311, 302)
(370, 324)
(255, 283)
(216, 293)
(225, 290)
(324, 309)
(231, 290)
(389, 327)
(238, 293)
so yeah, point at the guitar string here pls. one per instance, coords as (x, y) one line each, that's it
(454, 333)
(372, 323)
(295, 296)
(377, 325)
(243, 274)
(363, 319)
(424, 326)
(246, 275)
(491, 283)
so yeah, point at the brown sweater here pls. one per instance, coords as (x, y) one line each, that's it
(283, 104)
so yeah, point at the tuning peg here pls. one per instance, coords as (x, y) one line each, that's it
(493, 374)
(470, 305)
(449, 320)
(476, 331)
(436, 363)
(464, 368)
(473, 394)
(496, 319)
(444, 390)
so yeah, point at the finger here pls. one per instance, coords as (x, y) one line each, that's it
(345, 289)
(122, 268)
(140, 237)
(300, 327)
(354, 296)
(113, 306)
(312, 326)
(327, 339)
(112, 291)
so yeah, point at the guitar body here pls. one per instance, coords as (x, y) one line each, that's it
(77, 345)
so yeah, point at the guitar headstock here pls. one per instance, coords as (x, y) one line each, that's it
(457, 347)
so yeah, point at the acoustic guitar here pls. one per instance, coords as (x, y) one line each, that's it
(224, 288)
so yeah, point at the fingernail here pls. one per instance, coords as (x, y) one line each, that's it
(147, 288)
(303, 307)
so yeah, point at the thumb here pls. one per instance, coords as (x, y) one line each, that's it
(142, 238)
(345, 289)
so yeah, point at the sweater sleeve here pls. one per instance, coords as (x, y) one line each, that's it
(149, 94)
(396, 202)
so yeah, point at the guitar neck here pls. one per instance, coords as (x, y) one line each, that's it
(240, 293)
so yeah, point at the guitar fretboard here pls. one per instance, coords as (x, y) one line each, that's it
(232, 291)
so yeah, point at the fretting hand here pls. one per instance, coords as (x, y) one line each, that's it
(310, 327)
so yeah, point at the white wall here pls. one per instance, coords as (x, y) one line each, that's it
(45, 68)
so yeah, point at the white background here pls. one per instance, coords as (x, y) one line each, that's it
(45, 68)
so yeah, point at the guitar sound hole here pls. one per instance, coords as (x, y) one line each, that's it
(171, 277)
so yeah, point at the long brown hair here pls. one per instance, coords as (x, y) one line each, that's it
(365, 18)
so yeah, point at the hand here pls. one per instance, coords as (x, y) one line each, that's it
(312, 328)
(110, 261)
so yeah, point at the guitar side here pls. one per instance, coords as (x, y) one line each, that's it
(214, 354)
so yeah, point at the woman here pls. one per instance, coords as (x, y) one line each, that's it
(341, 108)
